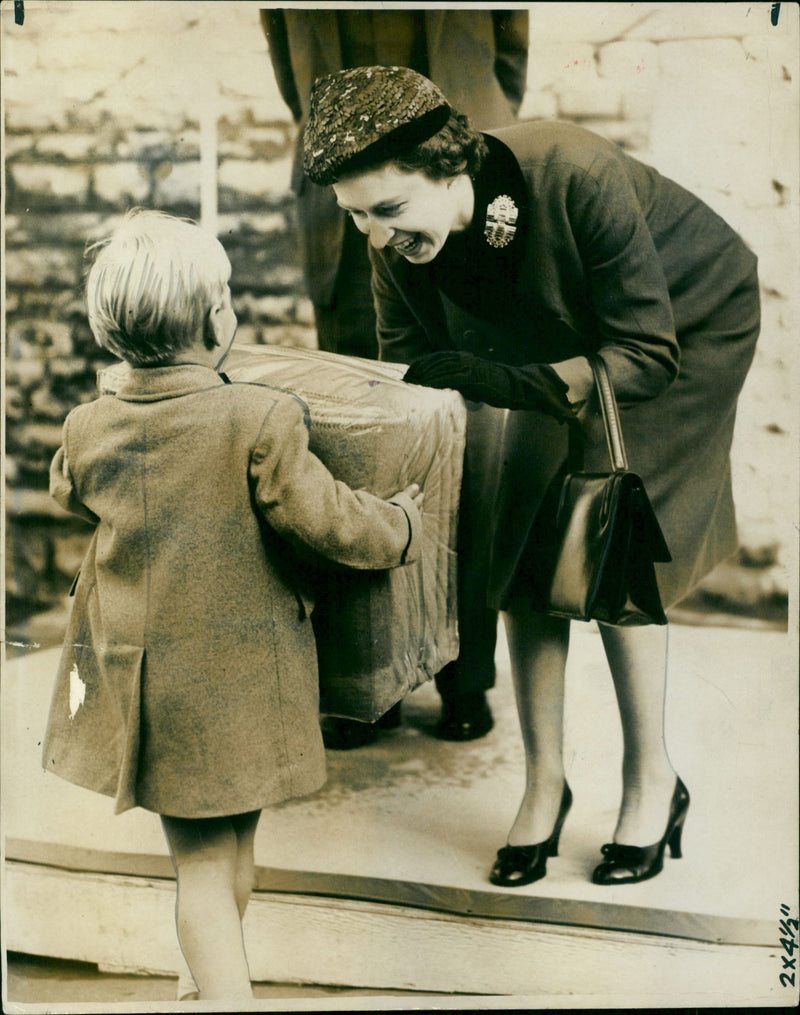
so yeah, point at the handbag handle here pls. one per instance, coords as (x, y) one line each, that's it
(610, 413)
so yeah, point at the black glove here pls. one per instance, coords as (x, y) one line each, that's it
(534, 386)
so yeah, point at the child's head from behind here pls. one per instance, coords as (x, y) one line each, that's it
(152, 287)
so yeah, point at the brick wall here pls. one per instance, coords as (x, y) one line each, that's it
(109, 106)
(174, 106)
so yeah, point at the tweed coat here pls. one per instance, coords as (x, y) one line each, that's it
(188, 679)
(478, 58)
(609, 257)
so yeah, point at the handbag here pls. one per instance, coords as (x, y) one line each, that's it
(605, 537)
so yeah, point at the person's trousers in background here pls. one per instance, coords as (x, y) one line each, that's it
(473, 672)
(347, 325)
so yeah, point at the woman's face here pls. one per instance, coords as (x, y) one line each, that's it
(407, 211)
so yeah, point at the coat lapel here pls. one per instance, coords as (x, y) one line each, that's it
(423, 299)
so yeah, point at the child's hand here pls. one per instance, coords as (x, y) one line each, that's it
(415, 494)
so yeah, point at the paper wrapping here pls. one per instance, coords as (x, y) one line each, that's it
(379, 634)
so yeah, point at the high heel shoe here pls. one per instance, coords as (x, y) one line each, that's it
(643, 862)
(521, 865)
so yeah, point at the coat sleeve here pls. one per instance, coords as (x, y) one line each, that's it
(302, 501)
(62, 487)
(511, 31)
(401, 337)
(627, 286)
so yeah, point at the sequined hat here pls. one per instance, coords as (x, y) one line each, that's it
(367, 115)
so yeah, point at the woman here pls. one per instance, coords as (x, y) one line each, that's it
(500, 261)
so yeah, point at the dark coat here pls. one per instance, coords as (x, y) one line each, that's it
(610, 257)
(188, 681)
(478, 59)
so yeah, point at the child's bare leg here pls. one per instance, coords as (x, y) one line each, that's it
(187, 988)
(245, 827)
(205, 854)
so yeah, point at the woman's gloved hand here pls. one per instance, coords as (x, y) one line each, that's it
(534, 386)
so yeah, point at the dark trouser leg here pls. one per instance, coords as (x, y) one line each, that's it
(347, 326)
(464, 682)
(473, 672)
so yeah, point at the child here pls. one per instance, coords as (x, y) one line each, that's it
(188, 681)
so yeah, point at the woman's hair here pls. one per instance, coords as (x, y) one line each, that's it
(454, 149)
(152, 285)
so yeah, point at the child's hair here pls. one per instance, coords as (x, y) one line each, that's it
(152, 285)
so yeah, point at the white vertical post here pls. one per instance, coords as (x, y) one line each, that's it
(208, 161)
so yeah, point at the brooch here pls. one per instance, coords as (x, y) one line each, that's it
(501, 217)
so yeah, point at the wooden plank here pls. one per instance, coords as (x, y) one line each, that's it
(442, 898)
(123, 921)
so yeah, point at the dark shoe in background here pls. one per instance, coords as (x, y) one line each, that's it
(464, 718)
(340, 734)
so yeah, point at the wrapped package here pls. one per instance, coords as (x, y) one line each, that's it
(379, 634)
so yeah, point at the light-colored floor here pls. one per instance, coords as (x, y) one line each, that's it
(36, 980)
(410, 809)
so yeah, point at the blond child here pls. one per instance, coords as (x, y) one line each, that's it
(188, 680)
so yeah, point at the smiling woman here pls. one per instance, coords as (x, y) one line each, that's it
(409, 212)
(498, 270)
(409, 187)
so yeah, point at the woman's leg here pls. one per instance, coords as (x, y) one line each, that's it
(538, 648)
(637, 657)
(205, 853)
